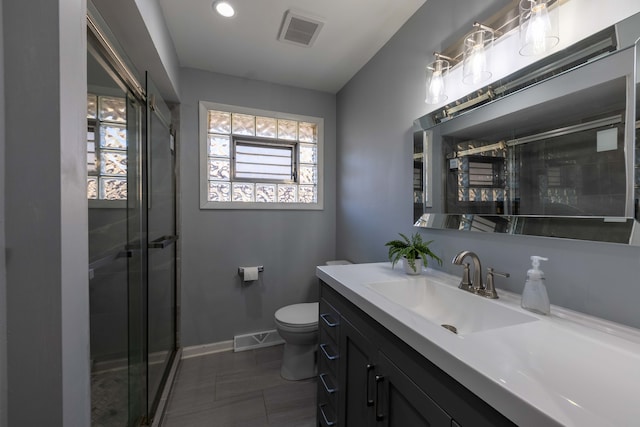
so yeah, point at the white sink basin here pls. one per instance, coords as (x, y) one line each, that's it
(446, 305)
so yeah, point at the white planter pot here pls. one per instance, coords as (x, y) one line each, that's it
(409, 270)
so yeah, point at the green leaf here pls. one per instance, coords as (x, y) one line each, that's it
(411, 249)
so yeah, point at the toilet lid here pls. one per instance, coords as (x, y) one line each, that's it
(298, 314)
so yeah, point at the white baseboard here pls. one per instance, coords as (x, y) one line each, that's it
(201, 350)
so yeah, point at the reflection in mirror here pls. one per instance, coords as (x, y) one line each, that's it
(106, 135)
(574, 170)
(555, 158)
(418, 175)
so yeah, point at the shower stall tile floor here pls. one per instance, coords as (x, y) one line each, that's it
(239, 389)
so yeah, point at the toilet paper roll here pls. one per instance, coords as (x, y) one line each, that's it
(250, 274)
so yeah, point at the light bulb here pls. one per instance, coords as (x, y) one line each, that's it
(478, 64)
(225, 9)
(436, 89)
(539, 26)
(475, 67)
(537, 33)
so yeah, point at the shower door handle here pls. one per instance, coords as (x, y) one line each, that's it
(162, 242)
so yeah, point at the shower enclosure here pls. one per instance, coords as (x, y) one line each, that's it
(132, 237)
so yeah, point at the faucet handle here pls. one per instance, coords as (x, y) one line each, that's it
(465, 283)
(490, 289)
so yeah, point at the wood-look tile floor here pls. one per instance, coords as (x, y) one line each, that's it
(239, 389)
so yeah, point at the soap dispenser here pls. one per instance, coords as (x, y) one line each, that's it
(534, 296)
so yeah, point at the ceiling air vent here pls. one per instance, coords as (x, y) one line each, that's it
(299, 29)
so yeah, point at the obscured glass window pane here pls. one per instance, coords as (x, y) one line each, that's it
(112, 109)
(307, 132)
(92, 106)
(266, 193)
(308, 154)
(113, 162)
(219, 122)
(308, 175)
(244, 124)
(307, 194)
(288, 129)
(219, 191)
(113, 136)
(287, 193)
(266, 127)
(243, 192)
(219, 169)
(219, 145)
(113, 188)
(92, 188)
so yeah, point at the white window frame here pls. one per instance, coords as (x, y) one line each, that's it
(205, 106)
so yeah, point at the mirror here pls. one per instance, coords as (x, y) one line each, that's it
(554, 157)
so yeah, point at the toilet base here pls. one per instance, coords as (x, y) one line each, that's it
(298, 362)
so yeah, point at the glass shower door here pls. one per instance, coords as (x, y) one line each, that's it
(161, 226)
(117, 257)
(137, 255)
(132, 237)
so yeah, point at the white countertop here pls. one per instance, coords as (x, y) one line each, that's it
(565, 369)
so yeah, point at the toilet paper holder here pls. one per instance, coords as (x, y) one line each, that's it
(241, 270)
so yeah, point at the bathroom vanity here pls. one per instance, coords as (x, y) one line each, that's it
(385, 358)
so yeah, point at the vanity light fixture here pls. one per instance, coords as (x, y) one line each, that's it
(224, 8)
(436, 73)
(538, 34)
(475, 65)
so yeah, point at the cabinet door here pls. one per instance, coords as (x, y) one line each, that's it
(399, 402)
(357, 368)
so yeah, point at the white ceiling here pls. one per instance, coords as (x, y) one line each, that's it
(247, 45)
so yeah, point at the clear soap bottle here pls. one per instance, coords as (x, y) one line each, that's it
(534, 296)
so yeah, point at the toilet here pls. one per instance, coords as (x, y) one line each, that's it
(297, 324)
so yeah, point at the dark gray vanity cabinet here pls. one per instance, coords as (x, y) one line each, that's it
(329, 326)
(379, 380)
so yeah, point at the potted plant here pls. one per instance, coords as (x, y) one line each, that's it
(414, 252)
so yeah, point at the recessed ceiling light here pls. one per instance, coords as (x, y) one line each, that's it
(224, 8)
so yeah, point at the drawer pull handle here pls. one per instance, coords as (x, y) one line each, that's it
(330, 390)
(326, 420)
(370, 401)
(323, 347)
(379, 415)
(324, 316)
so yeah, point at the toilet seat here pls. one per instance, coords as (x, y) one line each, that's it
(298, 316)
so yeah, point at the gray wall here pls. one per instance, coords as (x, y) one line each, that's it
(46, 213)
(215, 304)
(375, 111)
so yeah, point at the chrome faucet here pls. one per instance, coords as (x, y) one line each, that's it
(474, 285)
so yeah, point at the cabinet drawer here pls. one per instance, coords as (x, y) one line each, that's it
(329, 319)
(327, 388)
(326, 416)
(328, 354)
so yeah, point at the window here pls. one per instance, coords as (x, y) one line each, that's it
(106, 148)
(255, 159)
